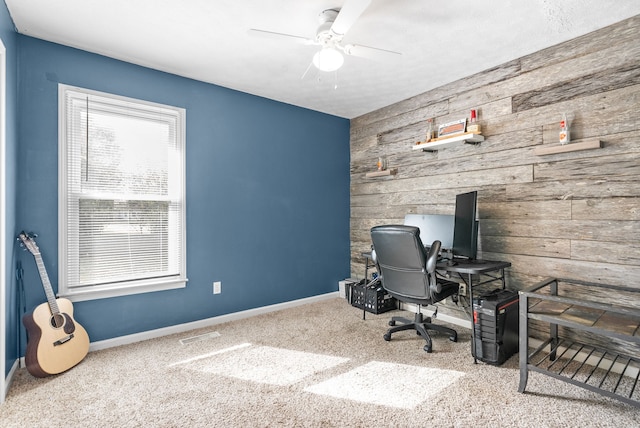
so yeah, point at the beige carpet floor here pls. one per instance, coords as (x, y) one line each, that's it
(318, 365)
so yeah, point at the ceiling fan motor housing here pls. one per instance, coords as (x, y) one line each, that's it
(324, 35)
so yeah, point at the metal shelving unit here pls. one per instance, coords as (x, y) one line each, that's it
(611, 372)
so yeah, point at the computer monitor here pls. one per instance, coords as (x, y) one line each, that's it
(465, 229)
(433, 227)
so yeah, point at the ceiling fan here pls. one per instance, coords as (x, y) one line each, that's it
(334, 24)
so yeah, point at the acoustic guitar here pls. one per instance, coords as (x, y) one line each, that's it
(55, 341)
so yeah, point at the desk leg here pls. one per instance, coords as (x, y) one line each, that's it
(366, 281)
(367, 265)
(473, 324)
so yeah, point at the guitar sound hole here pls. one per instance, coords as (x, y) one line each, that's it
(57, 320)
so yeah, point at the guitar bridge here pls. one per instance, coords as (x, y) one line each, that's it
(63, 340)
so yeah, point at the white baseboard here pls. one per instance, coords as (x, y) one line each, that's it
(181, 328)
(443, 317)
(9, 379)
(454, 320)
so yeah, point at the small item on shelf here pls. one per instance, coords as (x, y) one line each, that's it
(429, 131)
(452, 128)
(382, 164)
(474, 125)
(564, 130)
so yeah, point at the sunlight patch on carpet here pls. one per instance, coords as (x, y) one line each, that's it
(395, 385)
(265, 364)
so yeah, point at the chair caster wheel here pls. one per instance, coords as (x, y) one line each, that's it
(428, 349)
(387, 337)
(392, 323)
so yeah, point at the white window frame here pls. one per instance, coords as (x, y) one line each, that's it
(65, 241)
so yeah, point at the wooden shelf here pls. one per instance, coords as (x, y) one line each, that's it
(444, 142)
(571, 147)
(391, 171)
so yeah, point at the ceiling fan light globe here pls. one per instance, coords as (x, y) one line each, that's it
(328, 59)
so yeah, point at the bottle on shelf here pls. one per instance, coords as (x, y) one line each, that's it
(564, 130)
(474, 125)
(429, 131)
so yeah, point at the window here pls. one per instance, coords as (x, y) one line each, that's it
(121, 205)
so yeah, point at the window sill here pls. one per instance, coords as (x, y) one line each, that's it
(106, 292)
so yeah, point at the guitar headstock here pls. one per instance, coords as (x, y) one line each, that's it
(27, 240)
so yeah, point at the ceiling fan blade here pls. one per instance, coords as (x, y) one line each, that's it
(370, 53)
(351, 11)
(280, 36)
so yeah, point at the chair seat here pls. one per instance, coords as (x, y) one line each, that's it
(449, 288)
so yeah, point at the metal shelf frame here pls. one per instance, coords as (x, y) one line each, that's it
(595, 368)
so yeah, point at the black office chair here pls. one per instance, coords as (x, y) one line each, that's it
(408, 273)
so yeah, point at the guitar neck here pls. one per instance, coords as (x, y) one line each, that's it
(51, 298)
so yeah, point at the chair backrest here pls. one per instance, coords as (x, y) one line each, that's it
(408, 272)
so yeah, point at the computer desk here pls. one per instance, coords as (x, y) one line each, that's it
(486, 272)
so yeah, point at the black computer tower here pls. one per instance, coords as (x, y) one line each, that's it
(495, 326)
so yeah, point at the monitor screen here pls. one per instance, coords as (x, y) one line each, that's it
(433, 227)
(465, 229)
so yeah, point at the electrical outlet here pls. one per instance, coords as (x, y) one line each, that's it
(217, 287)
(462, 289)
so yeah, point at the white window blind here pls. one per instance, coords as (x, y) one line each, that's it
(121, 195)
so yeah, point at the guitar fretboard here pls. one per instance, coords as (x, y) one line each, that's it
(51, 298)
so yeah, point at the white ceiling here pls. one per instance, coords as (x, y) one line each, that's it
(208, 40)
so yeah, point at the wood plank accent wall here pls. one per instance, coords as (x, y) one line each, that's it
(572, 215)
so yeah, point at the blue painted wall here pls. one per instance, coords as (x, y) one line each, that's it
(267, 191)
(10, 311)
